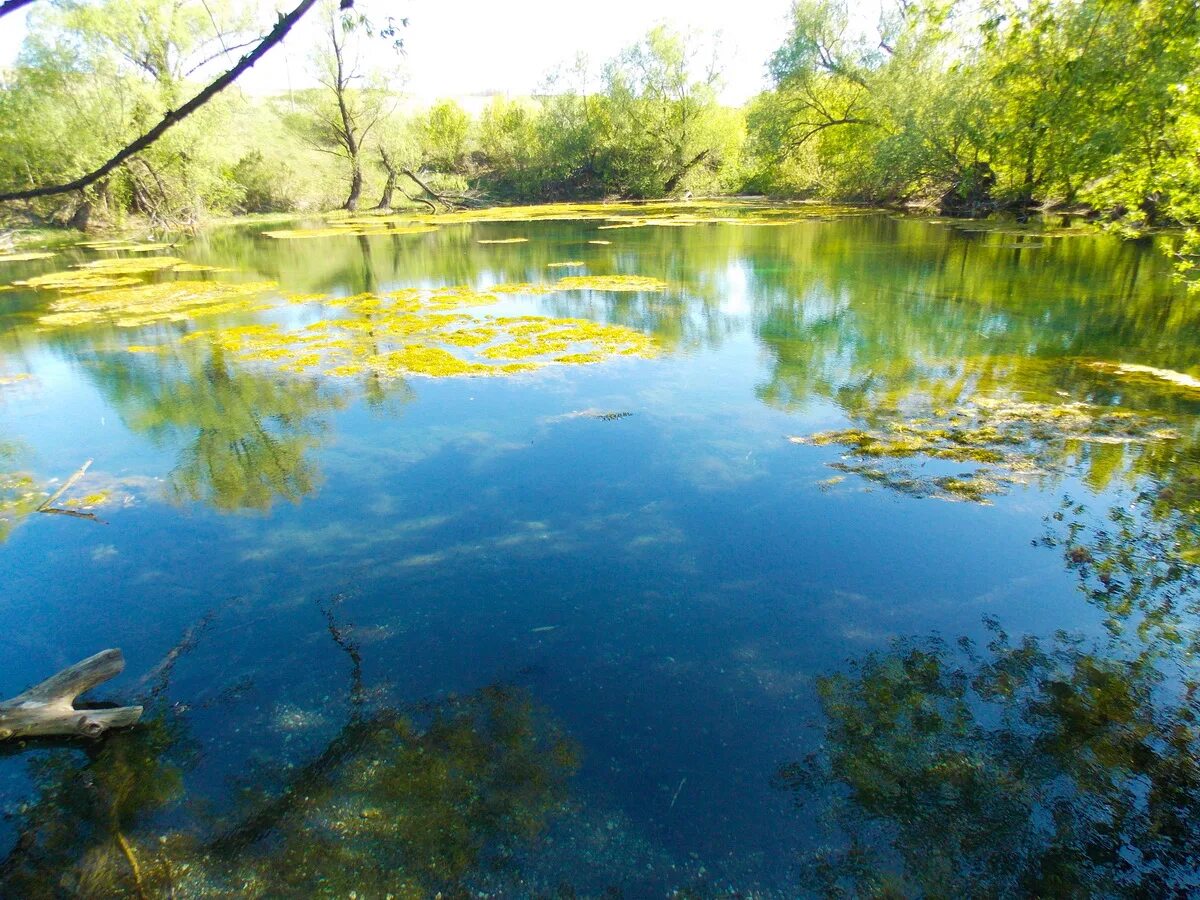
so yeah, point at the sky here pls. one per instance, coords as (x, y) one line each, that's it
(461, 48)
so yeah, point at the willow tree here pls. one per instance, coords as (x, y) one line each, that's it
(663, 122)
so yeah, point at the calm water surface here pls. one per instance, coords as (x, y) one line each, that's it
(603, 630)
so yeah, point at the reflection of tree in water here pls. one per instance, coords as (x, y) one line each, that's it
(247, 434)
(1032, 767)
(402, 802)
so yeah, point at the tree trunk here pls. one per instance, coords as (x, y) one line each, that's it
(82, 215)
(356, 185)
(424, 187)
(673, 181)
(389, 186)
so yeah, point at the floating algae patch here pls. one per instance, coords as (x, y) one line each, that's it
(198, 267)
(24, 257)
(504, 241)
(351, 228)
(20, 497)
(1008, 440)
(101, 273)
(523, 287)
(6, 380)
(171, 301)
(1149, 373)
(125, 246)
(567, 264)
(610, 283)
(601, 243)
(139, 266)
(422, 332)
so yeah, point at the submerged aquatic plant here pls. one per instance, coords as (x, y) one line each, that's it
(1008, 440)
(401, 803)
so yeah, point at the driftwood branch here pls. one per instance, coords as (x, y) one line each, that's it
(48, 709)
(48, 504)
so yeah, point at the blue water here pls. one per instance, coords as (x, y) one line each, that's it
(664, 587)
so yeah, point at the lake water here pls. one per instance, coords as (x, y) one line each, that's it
(599, 627)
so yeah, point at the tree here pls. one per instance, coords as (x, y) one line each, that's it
(171, 117)
(664, 122)
(443, 132)
(340, 119)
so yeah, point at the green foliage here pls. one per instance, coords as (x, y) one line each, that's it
(260, 185)
(1061, 101)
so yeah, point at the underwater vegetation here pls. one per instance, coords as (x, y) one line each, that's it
(1008, 440)
(400, 802)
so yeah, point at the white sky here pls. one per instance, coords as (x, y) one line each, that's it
(459, 48)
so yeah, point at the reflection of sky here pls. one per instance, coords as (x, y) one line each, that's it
(668, 584)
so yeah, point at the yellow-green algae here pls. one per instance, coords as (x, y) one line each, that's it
(20, 496)
(105, 273)
(566, 264)
(14, 379)
(664, 213)
(24, 257)
(1009, 440)
(125, 246)
(610, 283)
(350, 227)
(142, 304)
(516, 240)
(425, 332)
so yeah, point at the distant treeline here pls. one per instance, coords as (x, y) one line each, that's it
(966, 105)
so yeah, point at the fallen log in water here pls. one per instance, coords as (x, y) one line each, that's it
(48, 709)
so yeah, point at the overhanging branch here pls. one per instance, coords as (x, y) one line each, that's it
(174, 116)
(11, 6)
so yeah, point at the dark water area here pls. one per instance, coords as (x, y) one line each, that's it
(603, 629)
